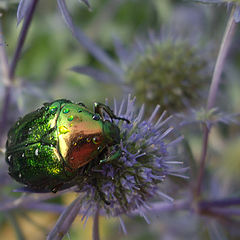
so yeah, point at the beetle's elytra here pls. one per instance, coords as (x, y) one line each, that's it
(46, 147)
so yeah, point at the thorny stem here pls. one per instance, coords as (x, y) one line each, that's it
(228, 202)
(27, 200)
(223, 212)
(12, 68)
(226, 42)
(203, 156)
(225, 45)
(13, 220)
(228, 207)
(22, 37)
(96, 225)
(65, 220)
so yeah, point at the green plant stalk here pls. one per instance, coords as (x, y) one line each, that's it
(96, 226)
(225, 45)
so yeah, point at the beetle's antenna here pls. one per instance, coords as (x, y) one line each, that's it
(99, 107)
(123, 119)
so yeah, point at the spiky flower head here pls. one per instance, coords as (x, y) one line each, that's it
(170, 73)
(132, 179)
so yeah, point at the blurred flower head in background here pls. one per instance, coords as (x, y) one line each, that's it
(171, 73)
(161, 70)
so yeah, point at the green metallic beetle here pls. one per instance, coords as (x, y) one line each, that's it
(46, 148)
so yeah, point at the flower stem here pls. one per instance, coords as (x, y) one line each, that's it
(65, 220)
(22, 37)
(225, 45)
(227, 202)
(96, 225)
(226, 42)
(9, 71)
(206, 131)
(16, 226)
(224, 212)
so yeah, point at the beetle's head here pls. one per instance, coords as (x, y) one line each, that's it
(111, 133)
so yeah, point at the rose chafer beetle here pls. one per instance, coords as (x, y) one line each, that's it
(46, 148)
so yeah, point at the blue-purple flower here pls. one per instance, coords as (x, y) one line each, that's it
(132, 180)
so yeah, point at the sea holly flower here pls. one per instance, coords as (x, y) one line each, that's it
(160, 70)
(170, 73)
(132, 179)
(129, 181)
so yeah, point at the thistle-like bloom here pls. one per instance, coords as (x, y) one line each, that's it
(131, 180)
(170, 73)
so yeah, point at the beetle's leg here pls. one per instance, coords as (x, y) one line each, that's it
(99, 107)
(100, 193)
(116, 155)
(56, 188)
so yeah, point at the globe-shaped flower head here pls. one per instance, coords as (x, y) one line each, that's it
(131, 179)
(170, 73)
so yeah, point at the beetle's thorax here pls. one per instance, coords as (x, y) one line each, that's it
(79, 135)
(111, 133)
